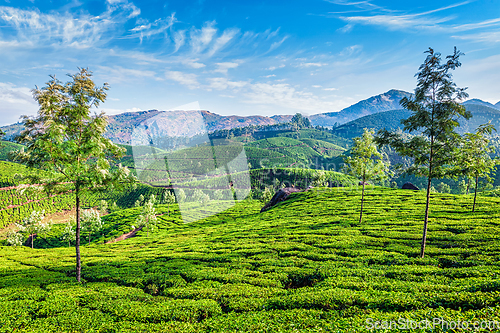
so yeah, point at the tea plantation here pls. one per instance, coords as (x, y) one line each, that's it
(305, 265)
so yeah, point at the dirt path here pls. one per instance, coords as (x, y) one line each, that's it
(125, 236)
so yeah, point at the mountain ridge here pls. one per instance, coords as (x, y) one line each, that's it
(121, 126)
(379, 103)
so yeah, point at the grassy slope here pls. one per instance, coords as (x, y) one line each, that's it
(306, 265)
(6, 147)
(24, 200)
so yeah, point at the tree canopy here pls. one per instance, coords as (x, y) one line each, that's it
(436, 111)
(365, 162)
(66, 140)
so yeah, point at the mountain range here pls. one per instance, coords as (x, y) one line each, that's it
(351, 119)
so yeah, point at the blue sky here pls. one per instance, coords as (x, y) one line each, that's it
(242, 57)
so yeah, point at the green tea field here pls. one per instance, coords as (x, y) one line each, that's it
(306, 265)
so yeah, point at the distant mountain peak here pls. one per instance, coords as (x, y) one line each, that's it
(478, 101)
(379, 103)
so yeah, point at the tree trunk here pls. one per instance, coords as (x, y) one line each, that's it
(475, 195)
(77, 240)
(32, 239)
(426, 219)
(468, 186)
(362, 199)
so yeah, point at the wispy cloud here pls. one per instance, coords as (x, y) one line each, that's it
(359, 5)
(277, 44)
(193, 63)
(9, 93)
(396, 22)
(158, 27)
(187, 79)
(120, 74)
(287, 97)
(221, 83)
(15, 101)
(223, 40)
(201, 38)
(426, 20)
(486, 37)
(65, 29)
(272, 68)
(223, 67)
(312, 64)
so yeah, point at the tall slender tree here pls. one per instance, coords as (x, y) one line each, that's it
(365, 162)
(436, 111)
(473, 159)
(67, 141)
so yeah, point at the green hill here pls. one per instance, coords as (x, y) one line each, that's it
(324, 148)
(6, 147)
(306, 265)
(314, 133)
(301, 153)
(391, 120)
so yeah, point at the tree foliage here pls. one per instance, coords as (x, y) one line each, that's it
(147, 218)
(299, 122)
(168, 199)
(69, 233)
(66, 140)
(91, 223)
(436, 111)
(365, 162)
(473, 159)
(33, 225)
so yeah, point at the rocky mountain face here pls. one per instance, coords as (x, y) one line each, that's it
(177, 123)
(185, 123)
(380, 103)
(189, 123)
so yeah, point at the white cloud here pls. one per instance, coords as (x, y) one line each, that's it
(272, 68)
(12, 94)
(15, 101)
(316, 86)
(223, 67)
(485, 37)
(350, 50)
(63, 30)
(186, 79)
(193, 63)
(221, 42)
(201, 38)
(179, 39)
(221, 83)
(136, 55)
(363, 5)
(420, 21)
(330, 89)
(287, 97)
(158, 27)
(311, 64)
(396, 22)
(275, 45)
(121, 74)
